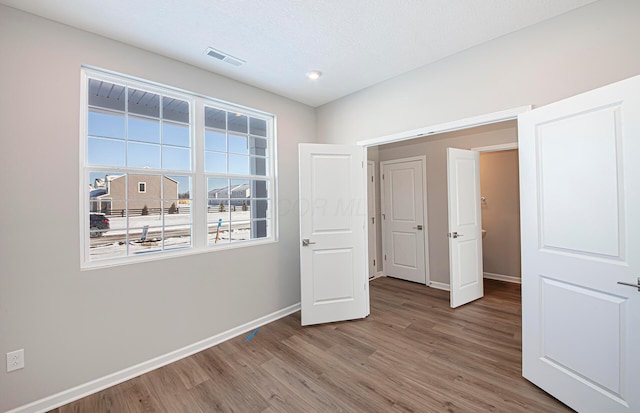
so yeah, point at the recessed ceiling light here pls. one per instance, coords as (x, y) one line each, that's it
(314, 74)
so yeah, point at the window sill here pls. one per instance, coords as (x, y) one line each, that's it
(159, 256)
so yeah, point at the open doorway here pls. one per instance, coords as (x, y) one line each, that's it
(499, 136)
(500, 207)
(334, 244)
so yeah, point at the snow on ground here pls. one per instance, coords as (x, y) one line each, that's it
(178, 224)
(118, 224)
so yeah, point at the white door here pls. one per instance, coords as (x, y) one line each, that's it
(371, 218)
(580, 214)
(403, 220)
(465, 226)
(333, 211)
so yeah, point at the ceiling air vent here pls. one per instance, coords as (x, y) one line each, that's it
(217, 54)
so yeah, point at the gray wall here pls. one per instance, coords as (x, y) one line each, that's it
(434, 147)
(575, 52)
(572, 53)
(500, 212)
(110, 319)
(78, 326)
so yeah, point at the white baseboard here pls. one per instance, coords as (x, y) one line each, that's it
(83, 390)
(439, 286)
(500, 277)
(378, 275)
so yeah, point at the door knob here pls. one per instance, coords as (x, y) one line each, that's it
(455, 235)
(419, 227)
(306, 242)
(631, 285)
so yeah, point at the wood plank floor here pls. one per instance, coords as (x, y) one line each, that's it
(412, 354)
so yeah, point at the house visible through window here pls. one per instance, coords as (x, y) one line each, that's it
(235, 164)
(141, 164)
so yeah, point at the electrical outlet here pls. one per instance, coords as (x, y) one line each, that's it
(15, 360)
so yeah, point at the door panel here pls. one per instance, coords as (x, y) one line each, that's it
(467, 195)
(403, 194)
(403, 222)
(333, 271)
(329, 283)
(329, 186)
(592, 139)
(580, 213)
(465, 226)
(468, 266)
(560, 320)
(404, 245)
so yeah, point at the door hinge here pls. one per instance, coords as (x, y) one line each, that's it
(385, 257)
(373, 220)
(374, 263)
(382, 176)
(384, 218)
(371, 178)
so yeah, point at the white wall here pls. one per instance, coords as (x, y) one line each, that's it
(578, 51)
(78, 326)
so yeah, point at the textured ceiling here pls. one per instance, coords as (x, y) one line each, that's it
(355, 43)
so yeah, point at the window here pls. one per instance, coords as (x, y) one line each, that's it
(235, 153)
(145, 147)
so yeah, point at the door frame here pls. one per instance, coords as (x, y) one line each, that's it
(372, 236)
(460, 124)
(499, 148)
(496, 148)
(425, 218)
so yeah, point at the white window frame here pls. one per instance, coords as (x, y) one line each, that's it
(199, 196)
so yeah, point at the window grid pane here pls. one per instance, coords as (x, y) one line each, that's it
(141, 133)
(244, 152)
(106, 124)
(127, 222)
(142, 120)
